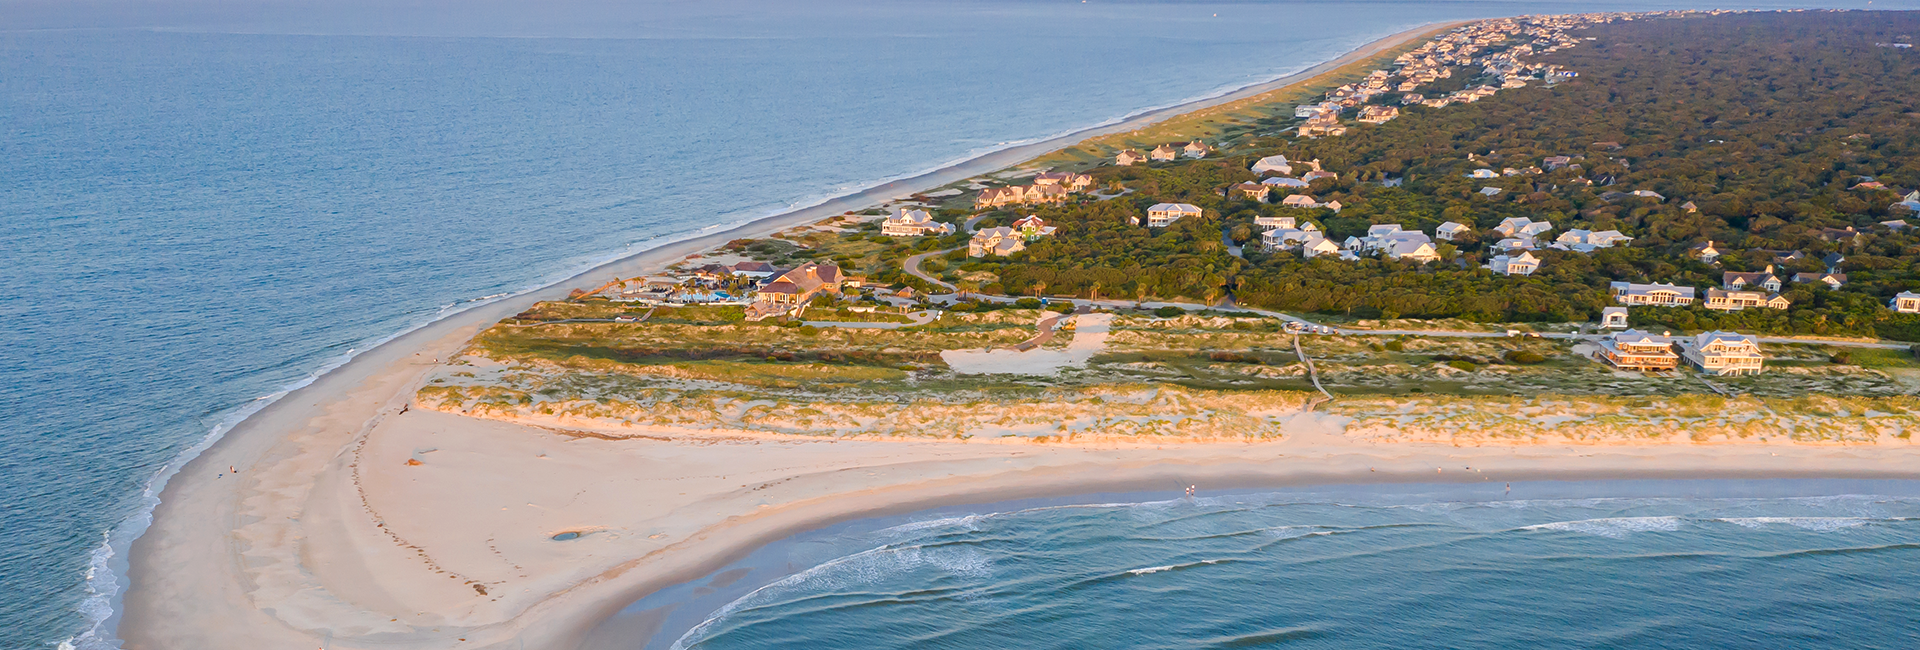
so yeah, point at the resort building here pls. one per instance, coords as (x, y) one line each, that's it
(914, 223)
(1735, 300)
(1906, 302)
(1523, 264)
(1723, 353)
(1163, 214)
(1637, 350)
(1613, 318)
(1657, 294)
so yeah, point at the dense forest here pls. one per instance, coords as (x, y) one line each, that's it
(1767, 123)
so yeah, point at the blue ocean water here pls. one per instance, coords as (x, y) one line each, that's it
(1666, 565)
(206, 203)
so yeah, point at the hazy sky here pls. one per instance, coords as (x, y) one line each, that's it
(648, 18)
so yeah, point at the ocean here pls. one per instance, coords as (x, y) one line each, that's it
(1657, 564)
(207, 203)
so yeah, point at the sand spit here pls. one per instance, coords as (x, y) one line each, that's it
(359, 520)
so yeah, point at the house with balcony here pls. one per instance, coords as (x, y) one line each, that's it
(1724, 353)
(1905, 302)
(1613, 318)
(1735, 300)
(1523, 264)
(914, 223)
(1637, 350)
(1162, 215)
(1656, 294)
(1755, 281)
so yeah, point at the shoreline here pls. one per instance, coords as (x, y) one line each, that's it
(663, 621)
(194, 500)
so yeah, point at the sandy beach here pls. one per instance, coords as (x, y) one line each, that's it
(341, 516)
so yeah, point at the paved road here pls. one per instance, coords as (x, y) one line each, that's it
(912, 267)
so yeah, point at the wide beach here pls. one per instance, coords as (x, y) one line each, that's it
(356, 521)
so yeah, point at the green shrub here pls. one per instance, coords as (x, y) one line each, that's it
(1396, 346)
(1524, 357)
(1028, 303)
(1169, 311)
(1463, 365)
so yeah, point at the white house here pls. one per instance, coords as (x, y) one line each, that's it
(1906, 302)
(1417, 251)
(1613, 318)
(1665, 295)
(913, 223)
(1317, 246)
(1484, 173)
(1586, 241)
(1275, 164)
(1162, 214)
(1522, 227)
(1282, 181)
(1271, 223)
(1449, 230)
(1723, 353)
(1523, 264)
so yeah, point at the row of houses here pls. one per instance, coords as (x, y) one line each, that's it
(1047, 188)
(1195, 149)
(1714, 353)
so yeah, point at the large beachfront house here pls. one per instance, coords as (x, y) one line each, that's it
(1723, 353)
(1128, 157)
(1726, 300)
(1637, 350)
(1664, 295)
(1163, 214)
(799, 285)
(914, 223)
(1905, 302)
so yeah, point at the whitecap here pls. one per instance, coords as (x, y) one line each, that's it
(1819, 524)
(1613, 527)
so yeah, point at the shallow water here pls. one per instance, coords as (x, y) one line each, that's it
(1668, 564)
(206, 203)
